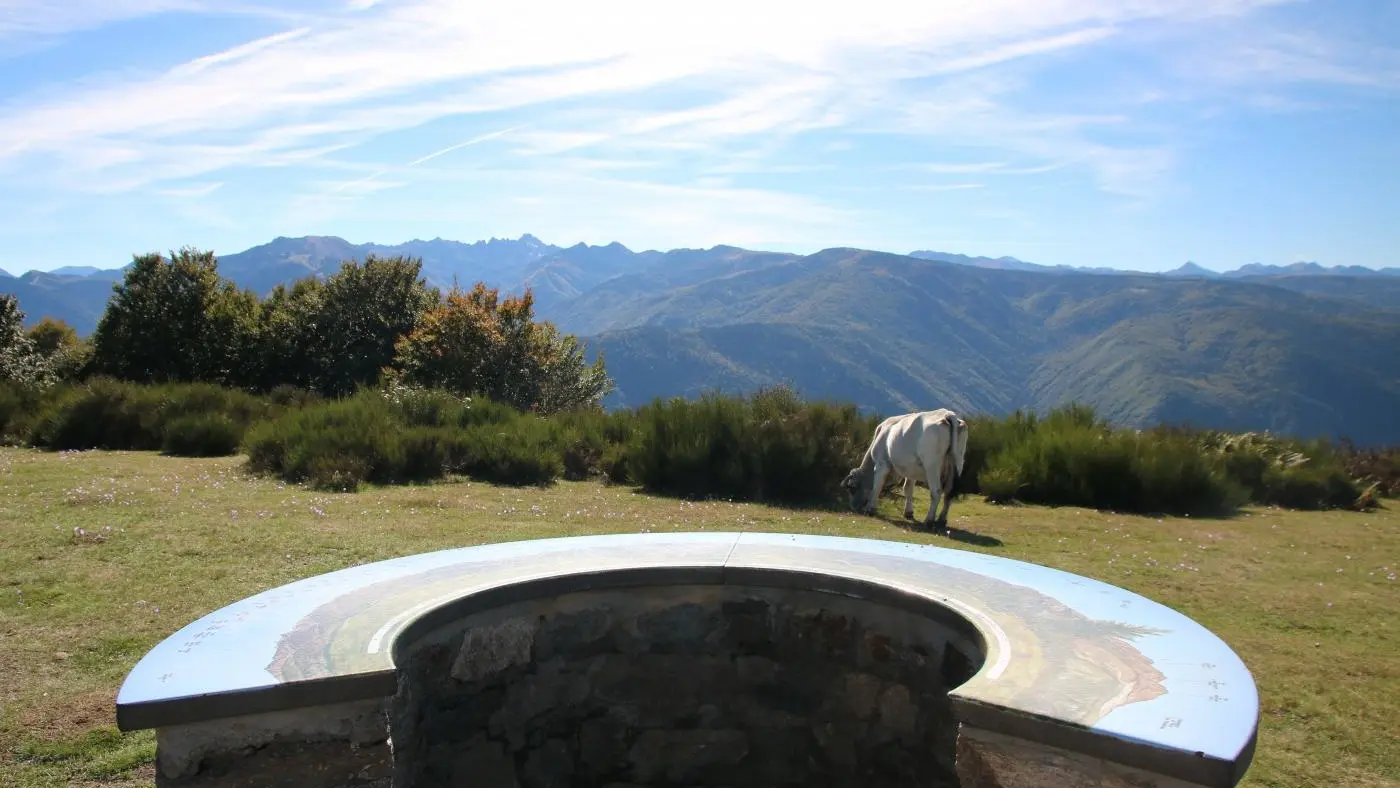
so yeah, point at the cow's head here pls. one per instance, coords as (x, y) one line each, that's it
(857, 484)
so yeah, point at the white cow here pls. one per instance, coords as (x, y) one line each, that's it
(930, 445)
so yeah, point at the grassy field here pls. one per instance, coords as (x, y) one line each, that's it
(103, 554)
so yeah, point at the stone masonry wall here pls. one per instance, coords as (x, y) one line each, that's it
(993, 760)
(339, 746)
(694, 686)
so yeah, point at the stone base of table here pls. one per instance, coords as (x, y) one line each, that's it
(340, 746)
(992, 760)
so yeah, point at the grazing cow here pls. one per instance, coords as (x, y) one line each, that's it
(930, 445)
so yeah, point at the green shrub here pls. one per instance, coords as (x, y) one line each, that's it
(266, 447)
(999, 485)
(103, 414)
(521, 456)
(615, 463)
(115, 415)
(357, 438)
(18, 405)
(1071, 464)
(192, 399)
(1175, 477)
(371, 438)
(1309, 487)
(337, 472)
(988, 436)
(202, 435)
(768, 447)
(425, 453)
(288, 396)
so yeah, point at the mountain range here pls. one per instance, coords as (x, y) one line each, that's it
(1301, 348)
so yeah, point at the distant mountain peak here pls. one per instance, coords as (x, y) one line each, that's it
(1189, 268)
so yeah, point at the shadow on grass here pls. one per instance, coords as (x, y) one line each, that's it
(955, 534)
(811, 507)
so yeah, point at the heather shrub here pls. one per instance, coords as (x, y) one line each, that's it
(767, 447)
(202, 435)
(1074, 462)
(101, 414)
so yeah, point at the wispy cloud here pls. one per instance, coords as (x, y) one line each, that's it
(420, 60)
(189, 192)
(944, 187)
(672, 95)
(367, 183)
(26, 19)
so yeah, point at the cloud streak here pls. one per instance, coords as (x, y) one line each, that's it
(672, 95)
(367, 184)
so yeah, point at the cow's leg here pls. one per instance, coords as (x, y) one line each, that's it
(877, 485)
(933, 474)
(909, 497)
(947, 496)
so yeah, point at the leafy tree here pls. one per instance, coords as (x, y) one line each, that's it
(176, 320)
(566, 380)
(50, 336)
(20, 360)
(229, 351)
(289, 336)
(63, 351)
(155, 319)
(455, 344)
(365, 309)
(476, 343)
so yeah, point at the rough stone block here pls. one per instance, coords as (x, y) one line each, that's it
(534, 700)
(862, 692)
(485, 765)
(687, 756)
(897, 710)
(747, 624)
(488, 650)
(603, 745)
(354, 728)
(576, 634)
(683, 629)
(551, 765)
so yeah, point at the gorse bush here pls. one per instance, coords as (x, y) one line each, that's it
(330, 442)
(986, 437)
(18, 405)
(768, 447)
(406, 436)
(202, 435)
(1071, 457)
(109, 414)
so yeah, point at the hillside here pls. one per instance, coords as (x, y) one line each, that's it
(894, 333)
(78, 300)
(1252, 270)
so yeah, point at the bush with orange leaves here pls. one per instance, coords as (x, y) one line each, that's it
(475, 343)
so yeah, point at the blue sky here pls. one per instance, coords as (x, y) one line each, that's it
(1126, 133)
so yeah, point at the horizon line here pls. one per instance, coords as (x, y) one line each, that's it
(911, 254)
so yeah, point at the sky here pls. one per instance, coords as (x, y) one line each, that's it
(1126, 133)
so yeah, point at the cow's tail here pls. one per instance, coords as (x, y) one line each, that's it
(957, 452)
(958, 446)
